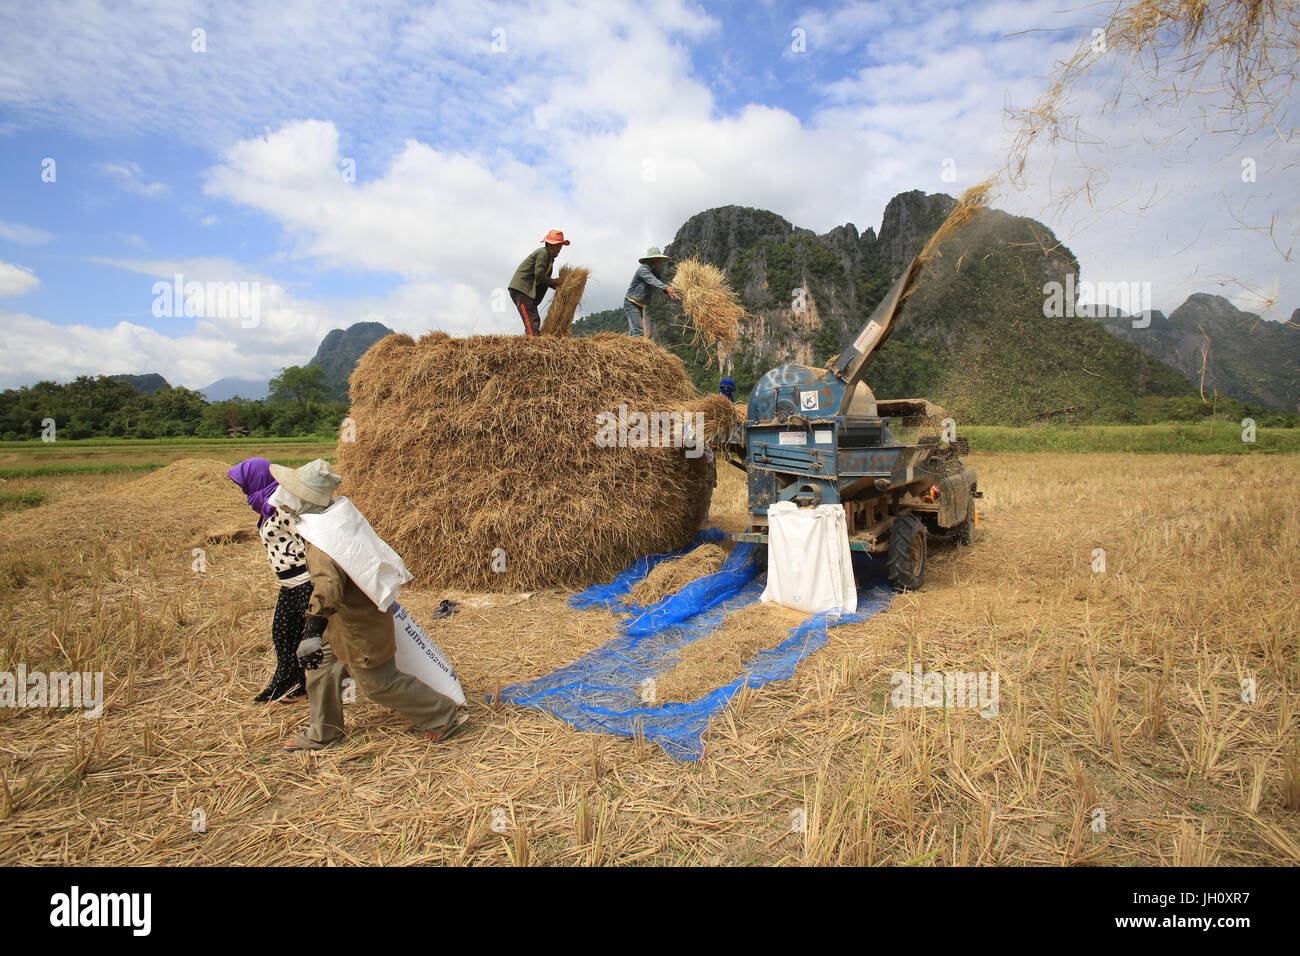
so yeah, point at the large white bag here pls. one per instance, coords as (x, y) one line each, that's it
(809, 565)
(420, 657)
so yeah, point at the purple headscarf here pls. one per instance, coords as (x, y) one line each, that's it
(254, 479)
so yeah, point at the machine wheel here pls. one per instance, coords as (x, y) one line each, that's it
(907, 553)
(965, 531)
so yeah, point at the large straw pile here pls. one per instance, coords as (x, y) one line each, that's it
(565, 302)
(477, 458)
(709, 303)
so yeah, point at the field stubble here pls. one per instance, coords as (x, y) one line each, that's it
(1120, 690)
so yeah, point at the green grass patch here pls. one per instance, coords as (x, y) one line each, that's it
(18, 500)
(1201, 438)
(109, 468)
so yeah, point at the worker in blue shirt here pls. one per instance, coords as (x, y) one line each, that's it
(648, 277)
(728, 387)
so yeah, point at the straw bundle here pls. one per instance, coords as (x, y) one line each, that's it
(669, 577)
(718, 659)
(478, 458)
(565, 301)
(709, 303)
(971, 202)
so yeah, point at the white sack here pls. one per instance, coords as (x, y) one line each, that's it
(420, 657)
(809, 565)
(343, 532)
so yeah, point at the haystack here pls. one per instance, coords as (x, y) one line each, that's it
(479, 459)
(565, 302)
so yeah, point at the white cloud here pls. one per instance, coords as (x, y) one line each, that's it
(25, 235)
(132, 179)
(595, 119)
(16, 280)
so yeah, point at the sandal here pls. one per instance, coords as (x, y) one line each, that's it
(294, 696)
(450, 732)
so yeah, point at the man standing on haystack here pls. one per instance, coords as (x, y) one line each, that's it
(355, 579)
(533, 278)
(647, 278)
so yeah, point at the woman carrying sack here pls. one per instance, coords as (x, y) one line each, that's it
(289, 562)
(356, 578)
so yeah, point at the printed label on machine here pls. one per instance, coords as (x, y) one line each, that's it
(793, 438)
(868, 335)
(822, 437)
(808, 401)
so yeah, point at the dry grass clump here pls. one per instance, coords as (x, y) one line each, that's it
(718, 659)
(477, 458)
(669, 577)
(168, 510)
(709, 303)
(565, 301)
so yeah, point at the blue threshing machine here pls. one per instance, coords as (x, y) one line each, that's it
(820, 436)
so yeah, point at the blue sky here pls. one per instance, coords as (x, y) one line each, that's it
(475, 127)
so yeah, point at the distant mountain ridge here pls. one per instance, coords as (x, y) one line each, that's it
(1243, 355)
(973, 336)
(340, 351)
(337, 354)
(224, 389)
(148, 383)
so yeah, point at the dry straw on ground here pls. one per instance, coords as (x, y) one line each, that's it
(1200, 591)
(669, 577)
(478, 458)
(565, 301)
(719, 658)
(711, 306)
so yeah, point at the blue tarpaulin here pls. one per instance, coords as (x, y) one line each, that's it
(602, 690)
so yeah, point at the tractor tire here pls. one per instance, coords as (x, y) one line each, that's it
(907, 553)
(965, 532)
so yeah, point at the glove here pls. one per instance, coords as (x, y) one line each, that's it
(309, 648)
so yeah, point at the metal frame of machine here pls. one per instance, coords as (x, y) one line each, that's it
(819, 436)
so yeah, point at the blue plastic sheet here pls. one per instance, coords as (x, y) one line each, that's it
(601, 692)
(612, 594)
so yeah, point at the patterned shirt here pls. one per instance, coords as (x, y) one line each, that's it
(285, 549)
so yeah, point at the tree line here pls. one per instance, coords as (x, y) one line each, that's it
(100, 406)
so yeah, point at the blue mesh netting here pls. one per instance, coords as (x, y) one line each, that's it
(610, 595)
(601, 691)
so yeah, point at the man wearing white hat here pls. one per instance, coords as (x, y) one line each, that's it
(355, 579)
(645, 280)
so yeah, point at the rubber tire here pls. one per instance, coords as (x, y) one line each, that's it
(902, 539)
(965, 532)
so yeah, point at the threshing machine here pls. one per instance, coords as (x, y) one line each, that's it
(819, 436)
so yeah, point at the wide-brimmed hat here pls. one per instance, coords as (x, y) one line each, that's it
(314, 482)
(652, 253)
(555, 237)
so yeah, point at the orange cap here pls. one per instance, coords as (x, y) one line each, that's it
(555, 236)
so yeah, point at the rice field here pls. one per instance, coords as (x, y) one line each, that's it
(1140, 611)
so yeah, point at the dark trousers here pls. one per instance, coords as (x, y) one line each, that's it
(527, 308)
(286, 632)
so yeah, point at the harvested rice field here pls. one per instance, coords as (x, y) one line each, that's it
(1147, 709)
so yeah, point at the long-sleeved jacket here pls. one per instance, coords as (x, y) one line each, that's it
(533, 277)
(642, 282)
(360, 634)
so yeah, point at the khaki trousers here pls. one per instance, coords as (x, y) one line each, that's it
(417, 702)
